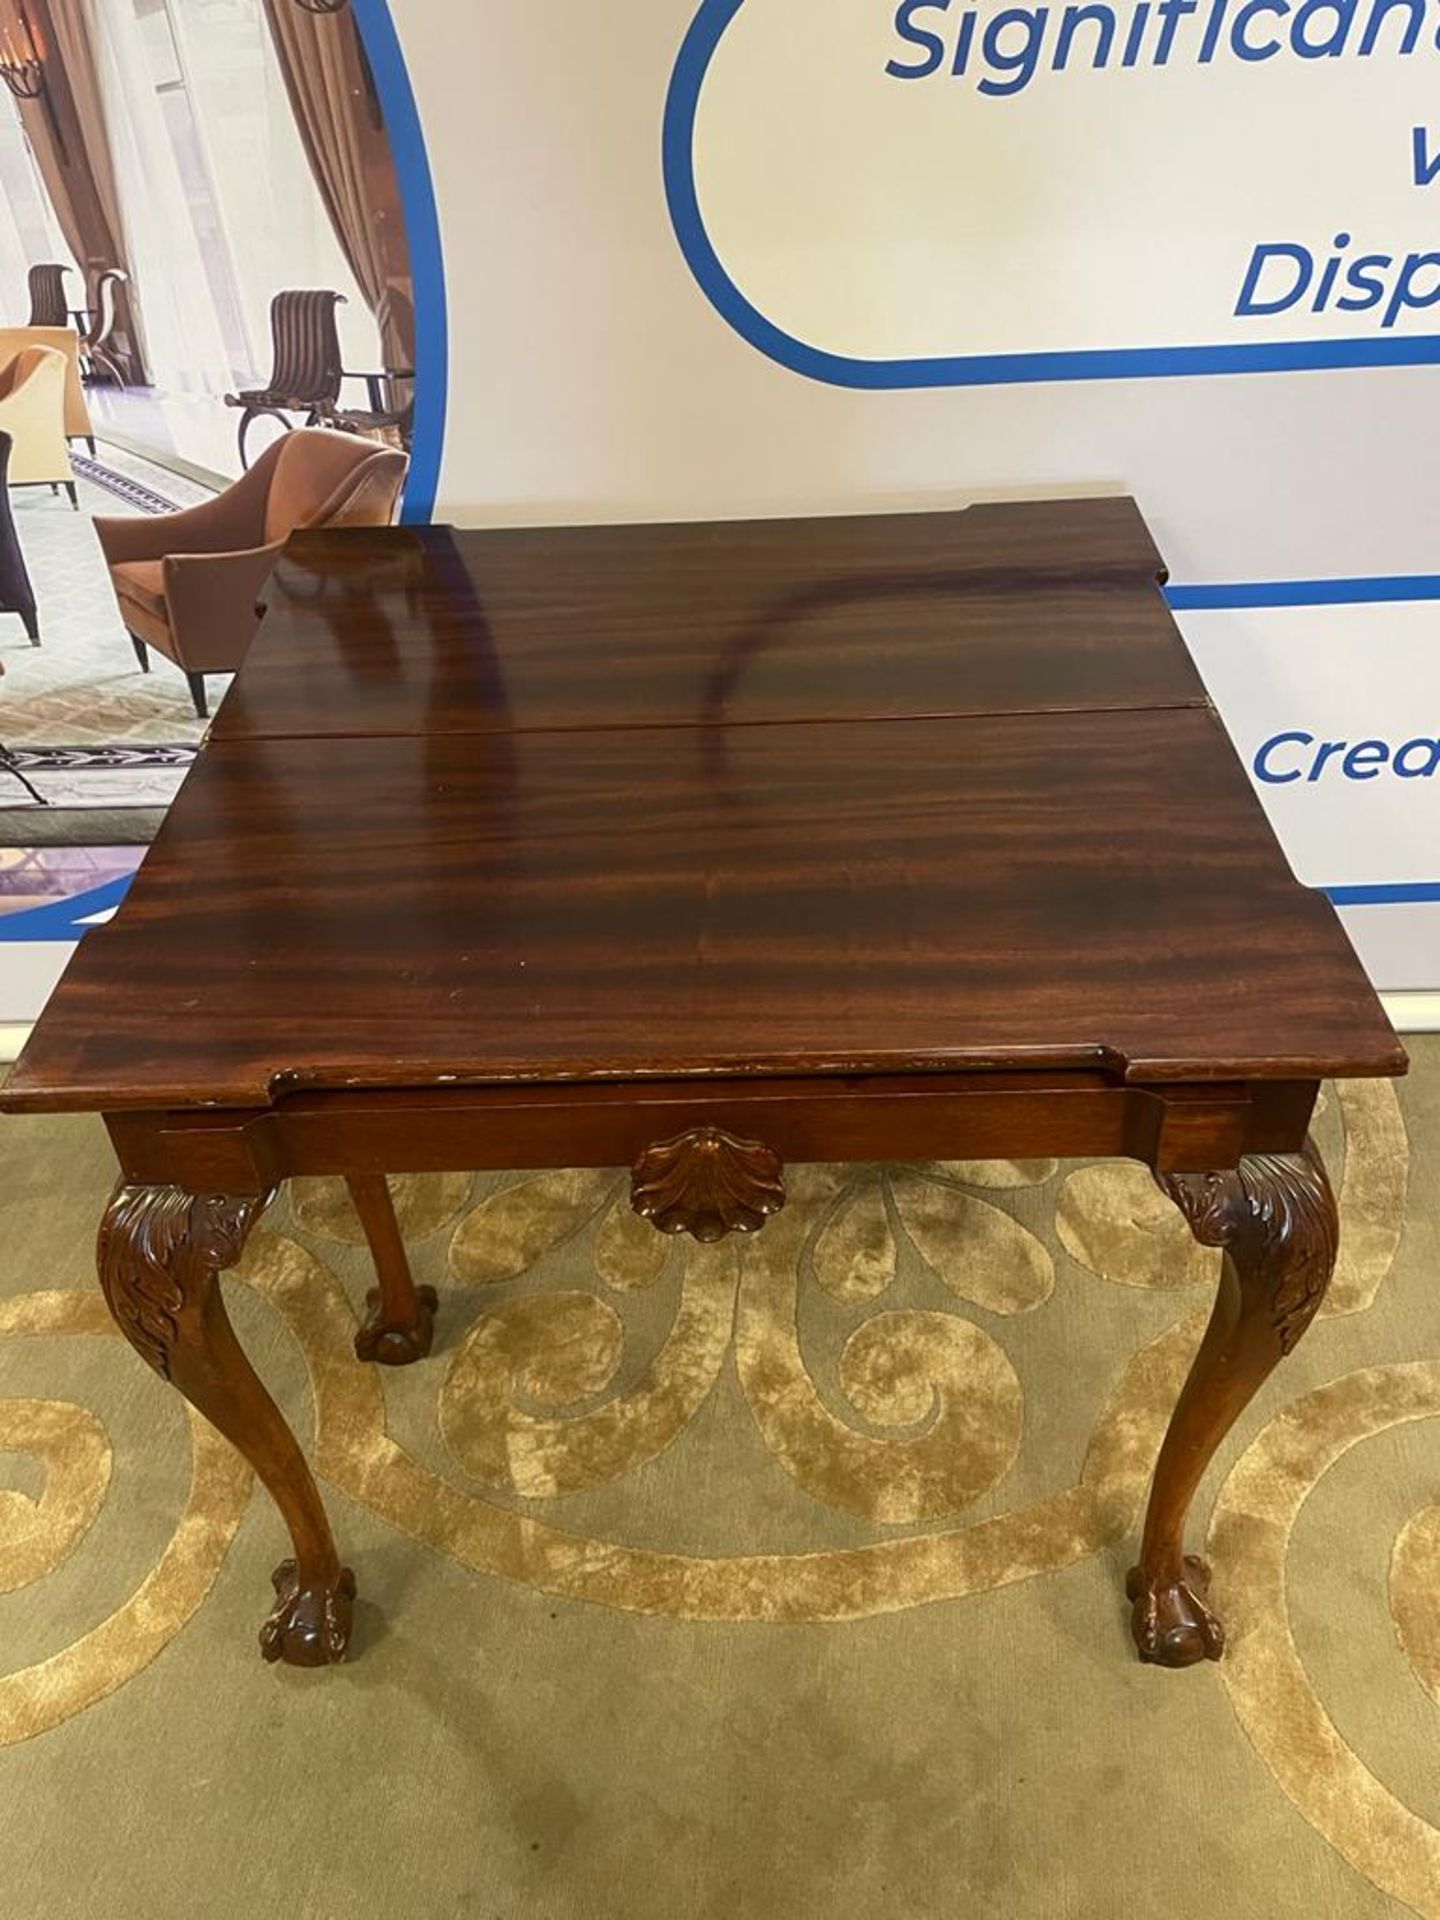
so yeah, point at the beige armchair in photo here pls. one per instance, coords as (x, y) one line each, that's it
(187, 582)
(13, 340)
(32, 412)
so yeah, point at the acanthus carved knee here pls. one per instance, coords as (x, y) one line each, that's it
(156, 1244)
(1275, 1216)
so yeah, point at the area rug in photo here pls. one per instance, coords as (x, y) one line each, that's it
(86, 776)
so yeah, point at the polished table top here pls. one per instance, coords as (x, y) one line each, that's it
(902, 794)
(999, 609)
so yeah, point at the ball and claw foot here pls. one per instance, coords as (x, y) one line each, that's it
(1172, 1625)
(390, 1345)
(310, 1626)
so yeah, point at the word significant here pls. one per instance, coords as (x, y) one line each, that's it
(1001, 51)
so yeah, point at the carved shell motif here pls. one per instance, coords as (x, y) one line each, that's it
(707, 1183)
(1276, 1217)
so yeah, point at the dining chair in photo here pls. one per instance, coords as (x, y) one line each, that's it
(390, 389)
(391, 394)
(48, 305)
(305, 372)
(100, 350)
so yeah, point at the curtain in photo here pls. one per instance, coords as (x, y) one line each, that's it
(336, 109)
(29, 230)
(197, 347)
(219, 198)
(67, 133)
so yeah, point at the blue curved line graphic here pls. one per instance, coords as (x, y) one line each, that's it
(61, 919)
(427, 257)
(959, 370)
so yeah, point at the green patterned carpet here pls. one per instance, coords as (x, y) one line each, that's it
(780, 1579)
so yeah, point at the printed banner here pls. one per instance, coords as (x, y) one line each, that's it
(1335, 710)
(937, 193)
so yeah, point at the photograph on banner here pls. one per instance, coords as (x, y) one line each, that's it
(206, 309)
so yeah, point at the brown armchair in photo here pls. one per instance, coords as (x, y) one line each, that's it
(305, 373)
(187, 582)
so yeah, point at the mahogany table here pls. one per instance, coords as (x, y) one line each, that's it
(704, 849)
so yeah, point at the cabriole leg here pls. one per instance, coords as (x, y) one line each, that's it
(161, 1254)
(401, 1323)
(1274, 1215)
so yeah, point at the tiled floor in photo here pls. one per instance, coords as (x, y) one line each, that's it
(195, 428)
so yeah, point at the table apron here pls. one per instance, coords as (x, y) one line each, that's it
(1174, 1128)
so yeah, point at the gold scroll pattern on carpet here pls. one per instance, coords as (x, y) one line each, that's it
(38, 1535)
(871, 1336)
